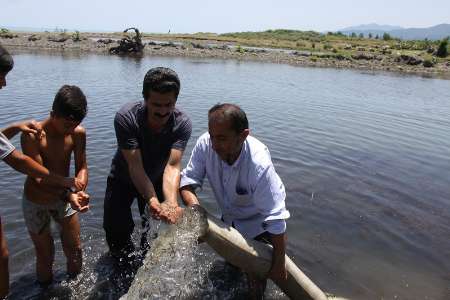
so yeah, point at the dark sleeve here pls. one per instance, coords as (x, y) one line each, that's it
(182, 134)
(126, 131)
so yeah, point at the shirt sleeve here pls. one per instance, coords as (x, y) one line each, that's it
(5, 146)
(195, 171)
(270, 195)
(182, 135)
(126, 132)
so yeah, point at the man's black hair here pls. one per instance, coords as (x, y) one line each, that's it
(6, 61)
(70, 103)
(230, 112)
(161, 80)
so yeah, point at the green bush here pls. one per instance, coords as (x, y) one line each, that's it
(76, 36)
(427, 63)
(387, 36)
(442, 50)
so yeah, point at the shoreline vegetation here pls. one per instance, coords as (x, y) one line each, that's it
(301, 48)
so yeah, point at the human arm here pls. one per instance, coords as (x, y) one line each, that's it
(127, 132)
(193, 175)
(26, 165)
(141, 181)
(188, 195)
(171, 181)
(31, 163)
(81, 170)
(278, 271)
(30, 126)
(269, 195)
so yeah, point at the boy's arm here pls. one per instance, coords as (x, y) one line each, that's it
(24, 164)
(81, 170)
(34, 166)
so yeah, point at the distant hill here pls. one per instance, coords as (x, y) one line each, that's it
(432, 33)
(371, 27)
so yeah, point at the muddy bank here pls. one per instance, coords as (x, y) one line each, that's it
(372, 59)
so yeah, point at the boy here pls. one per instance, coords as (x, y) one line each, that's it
(41, 202)
(21, 163)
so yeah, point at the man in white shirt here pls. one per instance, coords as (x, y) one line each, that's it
(249, 192)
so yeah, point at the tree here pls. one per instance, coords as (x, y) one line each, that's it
(387, 36)
(370, 35)
(442, 50)
(353, 35)
(377, 37)
(361, 35)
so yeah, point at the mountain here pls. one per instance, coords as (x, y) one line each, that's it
(432, 33)
(371, 26)
(437, 32)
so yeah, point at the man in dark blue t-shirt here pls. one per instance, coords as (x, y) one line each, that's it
(151, 137)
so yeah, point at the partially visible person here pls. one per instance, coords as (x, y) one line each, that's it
(21, 163)
(42, 201)
(151, 138)
(250, 194)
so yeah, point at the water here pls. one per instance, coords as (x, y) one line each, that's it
(365, 158)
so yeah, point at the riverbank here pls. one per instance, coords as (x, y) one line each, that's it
(379, 56)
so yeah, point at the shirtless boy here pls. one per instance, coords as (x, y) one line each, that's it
(41, 201)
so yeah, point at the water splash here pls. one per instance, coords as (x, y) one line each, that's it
(175, 266)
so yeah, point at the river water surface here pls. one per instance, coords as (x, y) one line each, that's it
(365, 158)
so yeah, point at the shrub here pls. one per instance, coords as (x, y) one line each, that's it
(387, 36)
(76, 36)
(427, 63)
(442, 50)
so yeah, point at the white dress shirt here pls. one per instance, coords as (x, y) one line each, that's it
(249, 193)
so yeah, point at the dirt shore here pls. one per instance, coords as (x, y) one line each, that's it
(166, 46)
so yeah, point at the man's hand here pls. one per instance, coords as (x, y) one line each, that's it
(170, 213)
(31, 126)
(154, 208)
(79, 201)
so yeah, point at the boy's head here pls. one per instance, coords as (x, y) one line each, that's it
(6, 65)
(69, 108)
(160, 90)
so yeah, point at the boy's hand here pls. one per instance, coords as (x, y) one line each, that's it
(79, 201)
(31, 126)
(75, 183)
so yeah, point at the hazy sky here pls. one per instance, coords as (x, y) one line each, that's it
(220, 16)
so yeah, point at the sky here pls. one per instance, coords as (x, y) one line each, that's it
(191, 16)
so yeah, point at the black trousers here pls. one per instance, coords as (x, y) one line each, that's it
(117, 216)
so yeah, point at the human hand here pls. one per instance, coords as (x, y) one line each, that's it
(170, 213)
(154, 208)
(31, 126)
(79, 201)
(74, 183)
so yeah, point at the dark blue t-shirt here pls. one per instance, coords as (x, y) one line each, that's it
(132, 132)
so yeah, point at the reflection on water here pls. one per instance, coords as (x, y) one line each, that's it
(364, 157)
